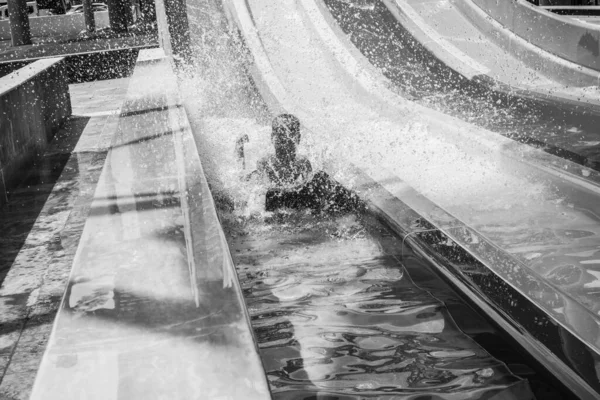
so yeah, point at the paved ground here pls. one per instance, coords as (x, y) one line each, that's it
(42, 225)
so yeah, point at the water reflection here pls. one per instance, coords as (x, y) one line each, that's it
(337, 316)
(575, 353)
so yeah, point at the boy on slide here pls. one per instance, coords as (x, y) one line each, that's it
(290, 175)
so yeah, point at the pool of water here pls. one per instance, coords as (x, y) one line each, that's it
(336, 314)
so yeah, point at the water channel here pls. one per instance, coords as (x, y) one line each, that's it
(340, 307)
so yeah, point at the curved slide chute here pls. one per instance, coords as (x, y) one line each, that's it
(537, 212)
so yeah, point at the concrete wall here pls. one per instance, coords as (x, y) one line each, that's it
(164, 36)
(565, 37)
(34, 103)
(173, 29)
(66, 26)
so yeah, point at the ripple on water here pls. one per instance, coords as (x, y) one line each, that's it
(342, 318)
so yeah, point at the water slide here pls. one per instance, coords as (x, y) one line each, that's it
(531, 218)
(431, 57)
(153, 308)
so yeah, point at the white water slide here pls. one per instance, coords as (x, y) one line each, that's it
(538, 213)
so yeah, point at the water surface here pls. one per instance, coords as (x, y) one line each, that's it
(336, 315)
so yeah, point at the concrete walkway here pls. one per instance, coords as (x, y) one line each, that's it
(124, 287)
(43, 222)
(152, 308)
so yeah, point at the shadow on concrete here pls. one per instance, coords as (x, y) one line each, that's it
(84, 66)
(27, 199)
(147, 138)
(151, 201)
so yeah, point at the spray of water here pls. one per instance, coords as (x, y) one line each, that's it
(223, 105)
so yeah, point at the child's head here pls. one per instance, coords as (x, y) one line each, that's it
(286, 131)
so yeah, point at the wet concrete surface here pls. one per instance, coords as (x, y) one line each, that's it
(152, 308)
(55, 174)
(42, 224)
